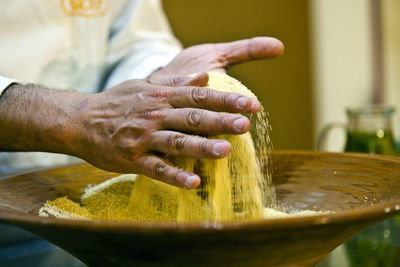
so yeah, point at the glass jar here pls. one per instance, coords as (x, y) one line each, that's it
(369, 130)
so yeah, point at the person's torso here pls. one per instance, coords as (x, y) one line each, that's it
(59, 44)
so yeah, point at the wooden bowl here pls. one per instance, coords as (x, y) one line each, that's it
(362, 189)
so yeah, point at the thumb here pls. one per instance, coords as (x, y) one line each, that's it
(250, 49)
(200, 79)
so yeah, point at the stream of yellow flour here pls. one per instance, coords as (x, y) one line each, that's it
(233, 188)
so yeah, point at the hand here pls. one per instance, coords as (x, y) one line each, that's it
(218, 57)
(128, 126)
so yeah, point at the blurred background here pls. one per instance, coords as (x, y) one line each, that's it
(338, 54)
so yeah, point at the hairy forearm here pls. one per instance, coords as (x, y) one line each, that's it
(35, 118)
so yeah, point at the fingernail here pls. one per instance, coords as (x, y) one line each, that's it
(218, 148)
(255, 105)
(239, 124)
(190, 180)
(242, 102)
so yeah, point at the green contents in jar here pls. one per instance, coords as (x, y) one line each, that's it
(378, 142)
(379, 244)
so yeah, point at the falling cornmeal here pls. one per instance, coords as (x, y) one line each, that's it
(360, 189)
(237, 187)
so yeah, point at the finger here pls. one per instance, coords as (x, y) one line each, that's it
(184, 145)
(201, 121)
(164, 171)
(201, 97)
(250, 49)
(200, 79)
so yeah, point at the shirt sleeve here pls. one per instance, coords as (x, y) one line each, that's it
(4, 83)
(140, 43)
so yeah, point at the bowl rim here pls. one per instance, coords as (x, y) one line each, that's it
(372, 213)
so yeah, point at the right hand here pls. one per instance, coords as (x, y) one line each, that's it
(126, 128)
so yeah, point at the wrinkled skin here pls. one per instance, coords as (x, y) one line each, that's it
(130, 127)
(218, 57)
(164, 119)
(159, 115)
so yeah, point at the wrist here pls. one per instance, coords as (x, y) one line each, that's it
(35, 118)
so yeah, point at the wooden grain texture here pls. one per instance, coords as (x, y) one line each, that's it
(363, 189)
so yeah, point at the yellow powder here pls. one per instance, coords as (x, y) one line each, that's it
(109, 191)
(64, 208)
(110, 203)
(232, 188)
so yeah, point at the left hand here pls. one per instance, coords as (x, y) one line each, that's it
(217, 57)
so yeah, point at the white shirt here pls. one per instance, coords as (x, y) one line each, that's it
(86, 47)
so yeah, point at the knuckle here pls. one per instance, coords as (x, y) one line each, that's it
(203, 145)
(176, 81)
(152, 115)
(157, 92)
(194, 118)
(160, 168)
(177, 142)
(200, 94)
(225, 99)
(221, 56)
(221, 121)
